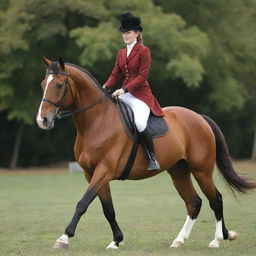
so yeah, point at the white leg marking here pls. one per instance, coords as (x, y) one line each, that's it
(112, 245)
(215, 243)
(184, 233)
(63, 239)
(39, 118)
(61, 243)
(232, 235)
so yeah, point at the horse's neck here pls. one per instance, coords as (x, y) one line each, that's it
(86, 94)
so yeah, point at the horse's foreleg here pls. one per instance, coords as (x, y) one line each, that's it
(98, 180)
(109, 212)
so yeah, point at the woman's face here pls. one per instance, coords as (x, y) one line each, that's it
(130, 36)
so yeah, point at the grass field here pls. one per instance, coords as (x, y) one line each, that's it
(35, 207)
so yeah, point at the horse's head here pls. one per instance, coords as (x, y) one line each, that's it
(57, 93)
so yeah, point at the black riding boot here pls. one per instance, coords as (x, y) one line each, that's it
(149, 147)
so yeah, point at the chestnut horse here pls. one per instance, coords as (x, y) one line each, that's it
(102, 147)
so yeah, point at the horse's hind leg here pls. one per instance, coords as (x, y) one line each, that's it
(206, 184)
(182, 182)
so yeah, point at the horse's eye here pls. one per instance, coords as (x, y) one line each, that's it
(58, 86)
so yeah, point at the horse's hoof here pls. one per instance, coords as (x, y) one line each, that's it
(232, 235)
(60, 245)
(62, 242)
(177, 243)
(214, 243)
(112, 245)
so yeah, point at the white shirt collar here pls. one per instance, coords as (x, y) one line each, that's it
(129, 47)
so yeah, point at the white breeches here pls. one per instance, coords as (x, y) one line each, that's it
(140, 110)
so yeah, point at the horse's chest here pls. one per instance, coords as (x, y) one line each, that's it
(87, 157)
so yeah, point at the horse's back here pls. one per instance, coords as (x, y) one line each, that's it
(184, 116)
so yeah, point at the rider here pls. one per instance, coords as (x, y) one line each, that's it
(133, 64)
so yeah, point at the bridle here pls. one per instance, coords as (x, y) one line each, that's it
(59, 105)
(67, 86)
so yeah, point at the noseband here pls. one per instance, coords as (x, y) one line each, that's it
(60, 113)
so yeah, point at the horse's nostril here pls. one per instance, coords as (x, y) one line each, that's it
(45, 120)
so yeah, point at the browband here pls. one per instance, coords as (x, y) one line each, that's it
(58, 72)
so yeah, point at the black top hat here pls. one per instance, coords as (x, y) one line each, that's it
(129, 22)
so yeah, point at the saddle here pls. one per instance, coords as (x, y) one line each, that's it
(156, 126)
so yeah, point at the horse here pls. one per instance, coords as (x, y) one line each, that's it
(102, 146)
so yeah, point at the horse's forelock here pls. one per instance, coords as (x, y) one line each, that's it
(54, 67)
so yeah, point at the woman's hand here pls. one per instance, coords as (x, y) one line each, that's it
(118, 92)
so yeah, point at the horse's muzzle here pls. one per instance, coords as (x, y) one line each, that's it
(46, 122)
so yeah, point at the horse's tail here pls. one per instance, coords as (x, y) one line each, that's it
(223, 160)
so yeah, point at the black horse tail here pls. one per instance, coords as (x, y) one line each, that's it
(224, 163)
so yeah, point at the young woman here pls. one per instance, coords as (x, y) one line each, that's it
(133, 64)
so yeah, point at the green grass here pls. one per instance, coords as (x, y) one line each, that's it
(34, 210)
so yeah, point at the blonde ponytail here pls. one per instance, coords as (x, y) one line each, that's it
(140, 38)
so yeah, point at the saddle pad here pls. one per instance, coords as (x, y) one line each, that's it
(156, 125)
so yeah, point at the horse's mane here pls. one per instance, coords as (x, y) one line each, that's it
(93, 78)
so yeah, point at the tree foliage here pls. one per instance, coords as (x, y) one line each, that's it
(230, 65)
(203, 56)
(179, 47)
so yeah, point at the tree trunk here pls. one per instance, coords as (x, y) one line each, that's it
(16, 148)
(254, 146)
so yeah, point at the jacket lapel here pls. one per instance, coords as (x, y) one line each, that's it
(134, 51)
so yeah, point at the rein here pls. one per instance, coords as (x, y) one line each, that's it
(63, 114)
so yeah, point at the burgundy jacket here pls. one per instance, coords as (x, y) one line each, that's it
(134, 70)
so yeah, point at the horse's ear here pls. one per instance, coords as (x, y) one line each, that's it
(61, 62)
(46, 61)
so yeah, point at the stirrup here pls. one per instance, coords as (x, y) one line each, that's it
(153, 165)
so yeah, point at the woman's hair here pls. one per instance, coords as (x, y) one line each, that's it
(140, 39)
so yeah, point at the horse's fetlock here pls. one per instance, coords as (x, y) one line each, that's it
(118, 238)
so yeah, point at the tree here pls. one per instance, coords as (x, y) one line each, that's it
(181, 48)
(230, 66)
(199, 61)
(28, 29)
